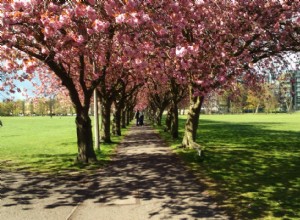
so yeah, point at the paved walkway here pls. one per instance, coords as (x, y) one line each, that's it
(145, 181)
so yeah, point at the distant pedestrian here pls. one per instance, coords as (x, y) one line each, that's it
(1, 123)
(141, 119)
(137, 117)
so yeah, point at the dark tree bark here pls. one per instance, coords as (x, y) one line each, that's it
(159, 116)
(128, 112)
(176, 95)
(117, 122)
(106, 122)
(164, 104)
(169, 119)
(84, 138)
(152, 111)
(113, 127)
(124, 117)
(174, 126)
(130, 109)
(228, 105)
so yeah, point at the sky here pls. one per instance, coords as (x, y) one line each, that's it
(17, 95)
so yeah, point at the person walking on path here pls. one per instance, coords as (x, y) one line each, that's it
(141, 119)
(137, 117)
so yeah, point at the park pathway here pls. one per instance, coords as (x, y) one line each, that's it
(144, 181)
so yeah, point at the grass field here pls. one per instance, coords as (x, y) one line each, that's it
(44, 144)
(252, 163)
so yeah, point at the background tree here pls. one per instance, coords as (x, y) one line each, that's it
(271, 103)
(255, 100)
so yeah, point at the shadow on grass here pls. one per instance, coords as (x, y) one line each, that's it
(53, 163)
(146, 175)
(256, 169)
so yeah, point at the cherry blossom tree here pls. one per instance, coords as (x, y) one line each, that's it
(216, 43)
(73, 39)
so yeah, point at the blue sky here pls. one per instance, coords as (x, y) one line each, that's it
(16, 96)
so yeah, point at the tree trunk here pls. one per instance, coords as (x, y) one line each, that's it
(289, 105)
(124, 116)
(257, 108)
(86, 152)
(96, 119)
(117, 122)
(169, 119)
(113, 127)
(128, 112)
(192, 122)
(119, 105)
(105, 113)
(159, 117)
(228, 105)
(51, 104)
(174, 127)
(177, 94)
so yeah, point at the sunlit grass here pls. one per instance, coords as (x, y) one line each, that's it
(45, 144)
(251, 163)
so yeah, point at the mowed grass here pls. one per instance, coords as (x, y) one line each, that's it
(44, 144)
(252, 163)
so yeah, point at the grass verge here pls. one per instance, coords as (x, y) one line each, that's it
(251, 163)
(46, 145)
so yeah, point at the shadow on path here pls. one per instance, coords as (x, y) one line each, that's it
(144, 173)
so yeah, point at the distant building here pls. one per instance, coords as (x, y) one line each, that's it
(296, 90)
(287, 89)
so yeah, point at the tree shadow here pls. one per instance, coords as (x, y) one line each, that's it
(145, 174)
(256, 169)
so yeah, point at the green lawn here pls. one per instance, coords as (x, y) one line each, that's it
(252, 163)
(44, 144)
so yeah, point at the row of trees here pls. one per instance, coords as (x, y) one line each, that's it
(268, 97)
(38, 106)
(129, 52)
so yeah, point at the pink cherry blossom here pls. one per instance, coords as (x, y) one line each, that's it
(99, 26)
(80, 10)
(120, 18)
(181, 51)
